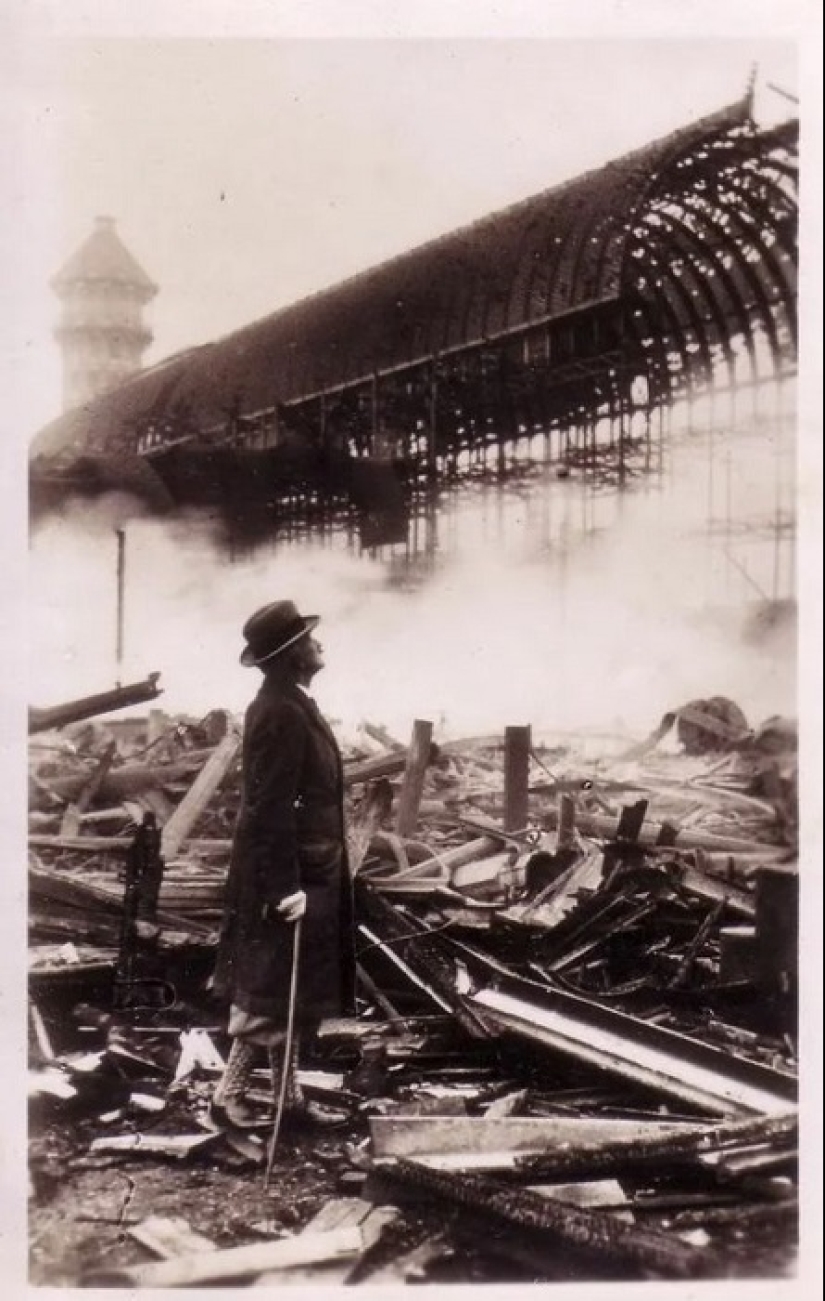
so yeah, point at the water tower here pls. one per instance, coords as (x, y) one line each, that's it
(102, 334)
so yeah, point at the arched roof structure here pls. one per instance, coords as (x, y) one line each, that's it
(665, 264)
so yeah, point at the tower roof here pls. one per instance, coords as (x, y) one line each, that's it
(104, 257)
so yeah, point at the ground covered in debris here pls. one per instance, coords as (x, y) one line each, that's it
(575, 1055)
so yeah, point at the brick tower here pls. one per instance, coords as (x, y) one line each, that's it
(101, 332)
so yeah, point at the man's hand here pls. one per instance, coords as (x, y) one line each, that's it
(293, 906)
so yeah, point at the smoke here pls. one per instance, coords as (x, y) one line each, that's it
(525, 620)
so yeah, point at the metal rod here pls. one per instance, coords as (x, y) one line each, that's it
(121, 576)
(287, 1061)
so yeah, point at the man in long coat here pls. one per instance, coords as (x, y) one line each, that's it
(288, 861)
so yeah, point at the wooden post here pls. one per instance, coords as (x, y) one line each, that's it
(200, 793)
(517, 747)
(777, 943)
(412, 786)
(157, 725)
(566, 836)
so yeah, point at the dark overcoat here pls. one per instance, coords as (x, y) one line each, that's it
(289, 836)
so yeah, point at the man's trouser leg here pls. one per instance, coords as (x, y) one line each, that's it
(294, 1101)
(236, 1077)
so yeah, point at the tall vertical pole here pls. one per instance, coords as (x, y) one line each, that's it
(121, 575)
(517, 746)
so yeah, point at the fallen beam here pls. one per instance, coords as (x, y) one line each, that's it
(419, 1136)
(650, 835)
(97, 844)
(495, 1000)
(650, 1055)
(54, 887)
(382, 765)
(200, 793)
(594, 1161)
(594, 1232)
(235, 1262)
(131, 779)
(105, 702)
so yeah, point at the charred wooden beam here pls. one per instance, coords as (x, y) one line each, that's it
(105, 702)
(595, 1161)
(382, 765)
(594, 1232)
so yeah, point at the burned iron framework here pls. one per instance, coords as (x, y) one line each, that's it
(565, 329)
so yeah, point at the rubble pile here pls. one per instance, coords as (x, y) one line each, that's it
(575, 1054)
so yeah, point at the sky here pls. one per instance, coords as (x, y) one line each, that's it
(245, 173)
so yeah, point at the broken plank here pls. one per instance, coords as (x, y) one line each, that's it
(510, 1104)
(60, 888)
(482, 871)
(237, 1262)
(177, 1145)
(382, 765)
(449, 860)
(91, 844)
(552, 904)
(709, 887)
(408, 1267)
(70, 823)
(41, 1034)
(131, 778)
(358, 1028)
(170, 1236)
(382, 736)
(365, 821)
(200, 793)
(342, 1213)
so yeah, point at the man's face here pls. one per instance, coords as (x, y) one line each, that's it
(311, 655)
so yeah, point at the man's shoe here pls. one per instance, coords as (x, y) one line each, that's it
(310, 1116)
(235, 1113)
(317, 1116)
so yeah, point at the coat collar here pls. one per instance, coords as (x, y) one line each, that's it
(305, 701)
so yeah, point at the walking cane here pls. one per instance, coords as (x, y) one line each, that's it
(280, 1101)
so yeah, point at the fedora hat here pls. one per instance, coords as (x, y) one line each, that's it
(271, 629)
